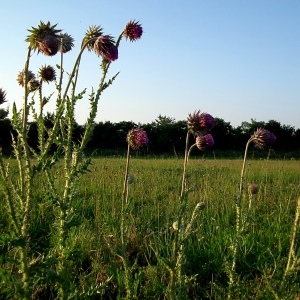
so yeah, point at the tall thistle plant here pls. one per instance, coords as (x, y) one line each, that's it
(198, 125)
(46, 39)
(261, 138)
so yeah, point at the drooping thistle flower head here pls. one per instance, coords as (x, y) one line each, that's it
(47, 73)
(33, 85)
(252, 189)
(133, 31)
(263, 137)
(49, 45)
(204, 141)
(200, 123)
(136, 138)
(105, 47)
(91, 35)
(44, 38)
(20, 77)
(66, 42)
(2, 96)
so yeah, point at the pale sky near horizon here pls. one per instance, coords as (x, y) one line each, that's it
(236, 60)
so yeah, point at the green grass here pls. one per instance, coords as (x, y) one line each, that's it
(93, 245)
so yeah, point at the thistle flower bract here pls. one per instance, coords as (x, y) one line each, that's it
(20, 77)
(133, 31)
(204, 141)
(47, 73)
(91, 35)
(66, 42)
(2, 96)
(44, 38)
(33, 85)
(136, 138)
(263, 137)
(200, 123)
(105, 47)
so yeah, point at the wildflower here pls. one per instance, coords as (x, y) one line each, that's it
(130, 179)
(91, 35)
(47, 73)
(136, 138)
(2, 96)
(44, 38)
(33, 85)
(66, 42)
(252, 189)
(200, 205)
(204, 141)
(200, 123)
(105, 47)
(133, 31)
(263, 137)
(20, 77)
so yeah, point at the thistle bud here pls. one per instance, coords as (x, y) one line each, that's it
(133, 31)
(263, 137)
(204, 141)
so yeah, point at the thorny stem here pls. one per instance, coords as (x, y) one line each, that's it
(232, 275)
(292, 259)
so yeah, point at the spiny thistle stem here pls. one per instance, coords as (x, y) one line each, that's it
(292, 259)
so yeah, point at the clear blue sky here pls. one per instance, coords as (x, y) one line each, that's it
(236, 60)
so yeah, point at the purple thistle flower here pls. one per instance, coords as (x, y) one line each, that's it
(104, 46)
(136, 138)
(2, 96)
(133, 31)
(200, 123)
(263, 137)
(205, 141)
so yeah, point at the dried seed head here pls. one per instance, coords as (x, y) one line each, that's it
(252, 189)
(47, 73)
(200, 123)
(105, 47)
(133, 31)
(263, 137)
(204, 141)
(66, 42)
(48, 45)
(33, 85)
(92, 33)
(136, 138)
(2, 96)
(20, 77)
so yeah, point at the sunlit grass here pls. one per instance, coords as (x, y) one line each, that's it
(153, 199)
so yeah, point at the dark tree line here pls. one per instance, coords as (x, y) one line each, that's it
(166, 136)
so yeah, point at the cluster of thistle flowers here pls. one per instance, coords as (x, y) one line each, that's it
(48, 40)
(199, 124)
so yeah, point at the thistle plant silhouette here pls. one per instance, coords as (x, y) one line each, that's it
(48, 40)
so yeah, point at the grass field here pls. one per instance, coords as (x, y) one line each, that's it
(94, 258)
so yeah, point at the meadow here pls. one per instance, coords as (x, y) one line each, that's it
(94, 242)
